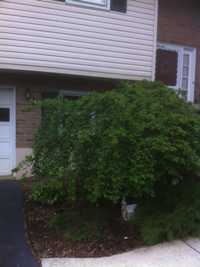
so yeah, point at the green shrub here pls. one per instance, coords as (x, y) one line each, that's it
(53, 141)
(160, 221)
(49, 192)
(138, 140)
(81, 225)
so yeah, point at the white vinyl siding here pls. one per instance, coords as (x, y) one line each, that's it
(54, 37)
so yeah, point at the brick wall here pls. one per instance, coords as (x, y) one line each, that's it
(179, 23)
(27, 121)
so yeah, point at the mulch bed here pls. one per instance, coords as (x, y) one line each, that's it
(47, 242)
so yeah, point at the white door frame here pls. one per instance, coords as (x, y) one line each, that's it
(181, 50)
(13, 125)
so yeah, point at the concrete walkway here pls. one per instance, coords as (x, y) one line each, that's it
(175, 254)
(14, 251)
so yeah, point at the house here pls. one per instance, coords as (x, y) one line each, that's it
(69, 47)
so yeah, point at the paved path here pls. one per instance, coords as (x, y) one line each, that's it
(14, 251)
(175, 254)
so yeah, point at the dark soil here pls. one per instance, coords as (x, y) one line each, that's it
(46, 240)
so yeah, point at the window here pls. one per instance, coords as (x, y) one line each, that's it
(176, 68)
(114, 5)
(4, 114)
(95, 3)
(73, 95)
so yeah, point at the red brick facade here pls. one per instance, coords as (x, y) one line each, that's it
(26, 121)
(179, 23)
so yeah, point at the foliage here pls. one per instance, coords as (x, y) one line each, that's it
(53, 141)
(130, 142)
(49, 192)
(81, 225)
(160, 221)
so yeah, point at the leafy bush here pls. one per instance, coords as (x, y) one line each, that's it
(53, 141)
(81, 225)
(49, 192)
(134, 141)
(160, 221)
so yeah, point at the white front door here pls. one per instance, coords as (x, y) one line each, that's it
(7, 131)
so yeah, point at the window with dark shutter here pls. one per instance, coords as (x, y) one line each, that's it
(118, 5)
(167, 67)
(176, 67)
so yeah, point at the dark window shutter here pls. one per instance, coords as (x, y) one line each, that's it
(166, 67)
(118, 5)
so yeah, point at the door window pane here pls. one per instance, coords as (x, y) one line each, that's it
(4, 114)
(186, 60)
(185, 84)
(185, 71)
(167, 67)
(185, 77)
